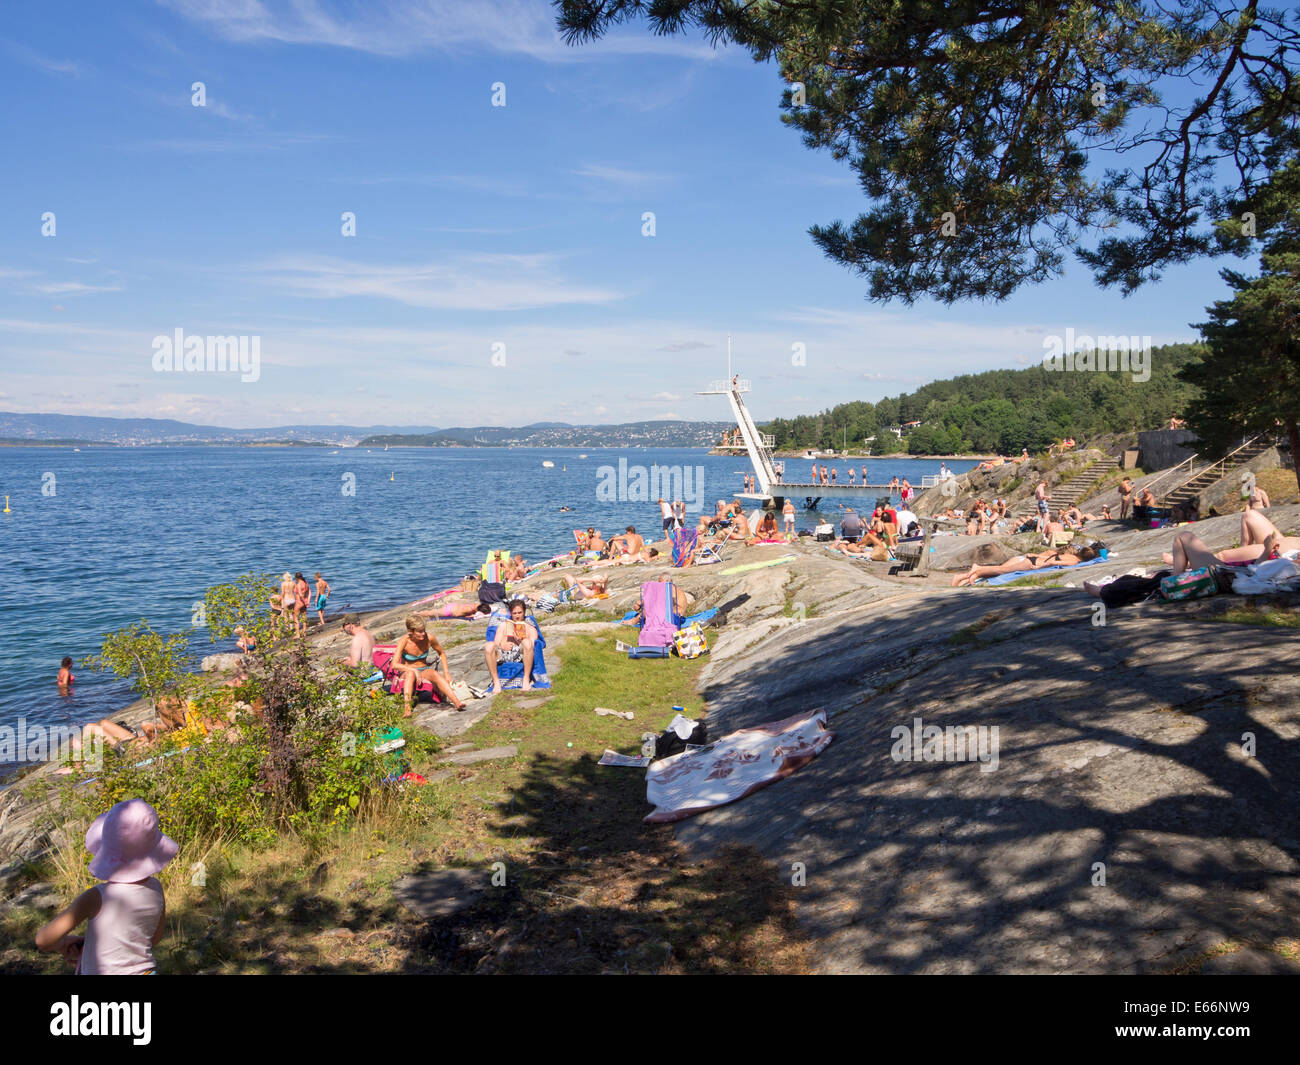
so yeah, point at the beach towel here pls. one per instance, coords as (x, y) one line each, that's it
(1274, 575)
(1007, 578)
(684, 541)
(758, 565)
(661, 623)
(512, 673)
(735, 766)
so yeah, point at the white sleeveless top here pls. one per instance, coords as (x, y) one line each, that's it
(119, 938)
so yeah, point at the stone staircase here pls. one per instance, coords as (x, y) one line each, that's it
(1076, 489)
(1198, 480)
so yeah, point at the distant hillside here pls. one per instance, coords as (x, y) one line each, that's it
(48, 428)
(628, 434)
(1003, 410)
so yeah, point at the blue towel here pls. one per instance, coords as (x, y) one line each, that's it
(702, 616)
(629, 615)
(1007, 578)
(511, 673)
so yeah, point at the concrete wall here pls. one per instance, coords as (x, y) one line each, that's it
(1161, 448)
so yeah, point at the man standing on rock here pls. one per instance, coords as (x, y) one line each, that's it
(362, 641)
(1125, 498)
(1044, 511)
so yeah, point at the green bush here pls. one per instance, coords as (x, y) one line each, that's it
(215, 785)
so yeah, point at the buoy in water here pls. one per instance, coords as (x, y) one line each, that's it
(393, 476)
(7, 510)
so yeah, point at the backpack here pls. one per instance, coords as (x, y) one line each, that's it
(1131, 589)
(1193, 584)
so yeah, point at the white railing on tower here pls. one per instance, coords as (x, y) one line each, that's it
(726, 386)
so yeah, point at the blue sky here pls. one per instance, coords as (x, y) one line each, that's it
(475, 225)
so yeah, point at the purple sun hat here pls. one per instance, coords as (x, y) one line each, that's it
(127, 843)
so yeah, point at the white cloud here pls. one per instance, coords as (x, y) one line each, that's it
(479, 282)
(59, 288)
(667, 397)
(34, 59)
(620, 175)
(510, 27)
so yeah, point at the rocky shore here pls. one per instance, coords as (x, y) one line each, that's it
(1124, 828)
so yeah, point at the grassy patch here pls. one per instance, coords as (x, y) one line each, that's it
(1265, 615)
(589, 887)
(970, 633)
(1047, 580)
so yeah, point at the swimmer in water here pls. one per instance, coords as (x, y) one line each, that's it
(66, 678)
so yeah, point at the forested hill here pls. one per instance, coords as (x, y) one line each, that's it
(1003, 410)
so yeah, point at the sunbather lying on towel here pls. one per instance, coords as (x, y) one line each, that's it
(1260, 540)
(456, 608)
(1064, 557)
(864, 546)
(585, 587)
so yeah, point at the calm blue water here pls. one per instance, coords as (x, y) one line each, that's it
(142, 532)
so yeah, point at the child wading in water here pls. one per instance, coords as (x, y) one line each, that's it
(126, 911)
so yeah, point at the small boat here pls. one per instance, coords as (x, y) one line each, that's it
(582, 456)
(77, 450)
(548, 465)
(334, 452)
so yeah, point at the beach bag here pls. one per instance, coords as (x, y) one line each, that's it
(490, 592)
(880, 553)
(1194, 584)
(691, 642)
(825, 533)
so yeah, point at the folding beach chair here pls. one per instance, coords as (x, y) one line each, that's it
(659, 620)
(708, 553)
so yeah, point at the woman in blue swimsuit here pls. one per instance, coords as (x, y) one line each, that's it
(413, 658)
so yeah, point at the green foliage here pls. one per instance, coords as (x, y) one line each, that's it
(1005, 410)
(155, 664)
(1249, 380)
(242, 604)
(215, 786)
(981, 133)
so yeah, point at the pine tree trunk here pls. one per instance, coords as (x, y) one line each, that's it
(1294, 435)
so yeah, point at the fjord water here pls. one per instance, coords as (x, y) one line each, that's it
(131, 533)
